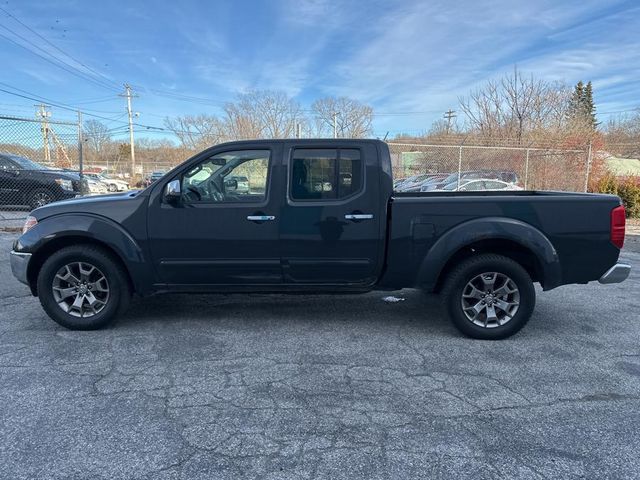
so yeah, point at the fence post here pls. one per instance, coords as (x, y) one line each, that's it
(459, 166)
(80, 143)
(586, 177)
(526, 170)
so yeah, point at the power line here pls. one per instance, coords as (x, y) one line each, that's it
(95, 72)
(35, 98)
(72, 70)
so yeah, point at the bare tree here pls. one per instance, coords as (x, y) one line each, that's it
(196, 132)
(97, 138)
(515, 106)
(352, 118)
(263, 114)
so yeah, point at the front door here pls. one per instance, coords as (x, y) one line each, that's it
(330, 226)
(224, 228)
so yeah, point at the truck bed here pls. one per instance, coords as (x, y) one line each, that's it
(576, 224)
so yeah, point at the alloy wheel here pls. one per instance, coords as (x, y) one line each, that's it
(490, 300)
(80, 289)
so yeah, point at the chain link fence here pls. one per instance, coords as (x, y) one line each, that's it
(40, 162)
(470, 167)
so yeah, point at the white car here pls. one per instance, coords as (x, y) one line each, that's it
(113, 184)
(478, 185)
(96, 187)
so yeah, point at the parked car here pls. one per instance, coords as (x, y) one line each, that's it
(24, 182)
(482, 251)
(416, 186)
(151, 179)
(478, 185)
(113, 184)
(507, 176)
(240, 182)
(413, 180)
(96, 187)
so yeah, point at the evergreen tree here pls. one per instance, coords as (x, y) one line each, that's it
(582, 109)
(576, 104)
(589, 106)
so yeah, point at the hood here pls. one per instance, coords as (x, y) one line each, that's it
(99, 205)
(54, 173)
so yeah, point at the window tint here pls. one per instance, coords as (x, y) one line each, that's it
(319, 174)
(239, 176)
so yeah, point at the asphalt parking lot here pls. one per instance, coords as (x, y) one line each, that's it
(253, 386)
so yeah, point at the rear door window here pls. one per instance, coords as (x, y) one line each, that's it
(325, 174)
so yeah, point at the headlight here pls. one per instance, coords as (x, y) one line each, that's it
(29, 223)
(65, 184)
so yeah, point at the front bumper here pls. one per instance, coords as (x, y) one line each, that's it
(19, 265)
(616, 274)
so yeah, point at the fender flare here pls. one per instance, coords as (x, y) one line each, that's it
(487, 228)
(96, 228)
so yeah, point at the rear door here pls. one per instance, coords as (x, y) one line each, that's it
(330, 228)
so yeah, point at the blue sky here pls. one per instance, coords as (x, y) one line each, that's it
(411, 60)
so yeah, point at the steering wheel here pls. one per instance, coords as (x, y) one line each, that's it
(193, 190)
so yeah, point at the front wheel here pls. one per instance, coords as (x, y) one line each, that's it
(40, 198)
(83, 287)
(489, 297)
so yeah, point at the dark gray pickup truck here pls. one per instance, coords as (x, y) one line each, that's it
(315, 216)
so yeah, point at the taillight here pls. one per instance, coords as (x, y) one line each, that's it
(29, 223)
(618, 221)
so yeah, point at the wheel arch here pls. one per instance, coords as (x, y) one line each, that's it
(54, 233)
(511, 238)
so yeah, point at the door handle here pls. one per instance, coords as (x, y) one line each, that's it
(358, 216)
(261, 218)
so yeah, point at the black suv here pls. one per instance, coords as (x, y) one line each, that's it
(25, 182)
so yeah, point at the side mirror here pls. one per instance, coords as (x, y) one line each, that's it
(172, 191)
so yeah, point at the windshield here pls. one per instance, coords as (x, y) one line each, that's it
(26, 164)
(451, 186)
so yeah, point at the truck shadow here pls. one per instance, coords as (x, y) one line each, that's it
(365, 309)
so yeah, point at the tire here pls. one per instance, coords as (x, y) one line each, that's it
(52, 287)
(39, 198)
(113, 187)
(501, 312)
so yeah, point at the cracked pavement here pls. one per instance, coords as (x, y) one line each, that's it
(286, 387)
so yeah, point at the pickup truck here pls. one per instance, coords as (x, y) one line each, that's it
(25, 182)
(193, 230)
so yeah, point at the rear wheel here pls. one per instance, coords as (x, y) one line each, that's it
(113, 187)
(83, 287)
(489, 297)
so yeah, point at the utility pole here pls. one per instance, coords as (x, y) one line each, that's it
(128, 95)
(449, 115)
(44, 114)
(80, 143)
(335, 124)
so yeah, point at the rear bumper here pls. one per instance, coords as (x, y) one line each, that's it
(616, 274)
(19, 265)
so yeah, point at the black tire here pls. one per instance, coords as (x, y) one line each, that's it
(113, 187)
(471, 269)
(119, 291)
(40, 197)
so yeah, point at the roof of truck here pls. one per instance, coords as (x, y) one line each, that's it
(305, 141)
